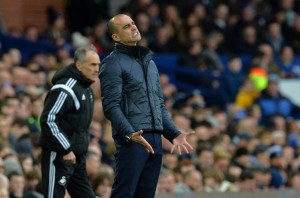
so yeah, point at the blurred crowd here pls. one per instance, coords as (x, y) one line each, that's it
(250, 142)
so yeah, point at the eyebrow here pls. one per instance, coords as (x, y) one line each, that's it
(126, 25)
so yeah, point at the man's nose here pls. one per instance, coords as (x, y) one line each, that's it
(133, 27)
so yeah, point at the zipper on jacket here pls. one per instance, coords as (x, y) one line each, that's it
(145, 71)
(89, 105)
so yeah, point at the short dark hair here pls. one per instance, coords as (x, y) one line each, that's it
(111, 29)
(80, 53)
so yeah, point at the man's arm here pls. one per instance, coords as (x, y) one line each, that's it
(170, 129)
(56, 104)
(171, 132)
(111, 92)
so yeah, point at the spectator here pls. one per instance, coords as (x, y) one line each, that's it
(272, 102)
(100, 39)
(246, 95)
(31, 33)
(191, 182)
(102, 184)
(241, 158)
(294, 35)
(205, 159)
(278, 176)
(163, 42)
(262, 156)
(246, 181)
(190, 58)
(231, 80)
(274, 37)
(166, 182)
(248, 41)
(264, 59)
(16, 185)
(56, 33)
(294, 180)
(289, 65)
(93, 163)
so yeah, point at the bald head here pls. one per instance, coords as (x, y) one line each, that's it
(111, 28)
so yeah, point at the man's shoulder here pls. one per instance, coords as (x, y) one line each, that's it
(116, 57)
(113, 56)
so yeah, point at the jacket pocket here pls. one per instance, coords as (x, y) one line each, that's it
(79, 142)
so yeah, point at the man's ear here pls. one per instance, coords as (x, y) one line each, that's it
(77, 64)
(115, 37)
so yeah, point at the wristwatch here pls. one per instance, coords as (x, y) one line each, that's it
(127, 138)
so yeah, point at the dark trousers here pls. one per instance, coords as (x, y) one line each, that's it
(137, 170)
(57, 176)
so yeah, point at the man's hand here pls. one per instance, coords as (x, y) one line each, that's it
(138, 138)
(70, 158)
(180, 142)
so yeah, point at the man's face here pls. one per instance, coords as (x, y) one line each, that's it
(127, 32)
(90, 66)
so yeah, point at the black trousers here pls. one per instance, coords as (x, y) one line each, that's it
(57, 176)
(137, 170)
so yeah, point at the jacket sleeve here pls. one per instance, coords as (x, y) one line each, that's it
(56, 104)
(111, 93)
(170, 130)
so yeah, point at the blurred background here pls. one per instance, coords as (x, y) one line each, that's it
(229, 70)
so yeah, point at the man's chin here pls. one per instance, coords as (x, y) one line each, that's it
(93, 79)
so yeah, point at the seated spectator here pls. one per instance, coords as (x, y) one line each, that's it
(56, 33)
(275, 37)
(31, 33)
(192, 182)
(166, 182)
(100, 39)
(241, 158)
(246, 95)
(248, 41)
(93, 163)
(262, 177)
(33, 184)
(294, 180)
(293, 135)
(209, 59)
(289, 65)
(246, 181)
(205, 158)
(262, 156)
(272, 102)
(231, 80)
(294, 35)
(264, 58)
(16, 184)
(212, 179)
(278, 175)
(163, 42)
(102, 184)
(191, 56)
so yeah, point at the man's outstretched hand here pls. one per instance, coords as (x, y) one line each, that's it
(180, 142)
(138, 138)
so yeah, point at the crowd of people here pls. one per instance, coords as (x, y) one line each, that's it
(250, 142)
